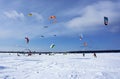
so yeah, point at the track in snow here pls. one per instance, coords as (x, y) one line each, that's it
(71, 66)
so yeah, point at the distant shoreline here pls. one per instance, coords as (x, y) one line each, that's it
(72, 52)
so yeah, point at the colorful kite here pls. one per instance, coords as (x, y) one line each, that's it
(52, 45)
(30, 14)
(27, 40)
(53, 18)
(106, 20)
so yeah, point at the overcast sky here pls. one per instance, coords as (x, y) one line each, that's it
(74, 17)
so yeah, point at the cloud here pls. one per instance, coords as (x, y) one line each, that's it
(91, 16)
(4, 33)
(14, 15)
(16, 25)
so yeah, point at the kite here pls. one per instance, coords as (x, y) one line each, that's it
(85, 44)
(27, 40)
(52, 45)
(42, 36)
(30, 14)
(53, 18)
(106, 20)
(81, 36)
(45, 26)
(54, 35)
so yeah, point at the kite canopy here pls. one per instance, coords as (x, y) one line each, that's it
(30, 14)
(85, 44)
(27, 40)
(45, 26)
(81, 36)
(42, 36)
(54, 35)
(53, 18)
(106, 20)
(52, 45)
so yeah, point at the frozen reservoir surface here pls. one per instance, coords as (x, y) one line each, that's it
(59, 66)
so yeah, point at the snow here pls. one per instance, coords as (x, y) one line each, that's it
(59, 66)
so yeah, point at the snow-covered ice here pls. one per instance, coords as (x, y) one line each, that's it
(59, 66)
